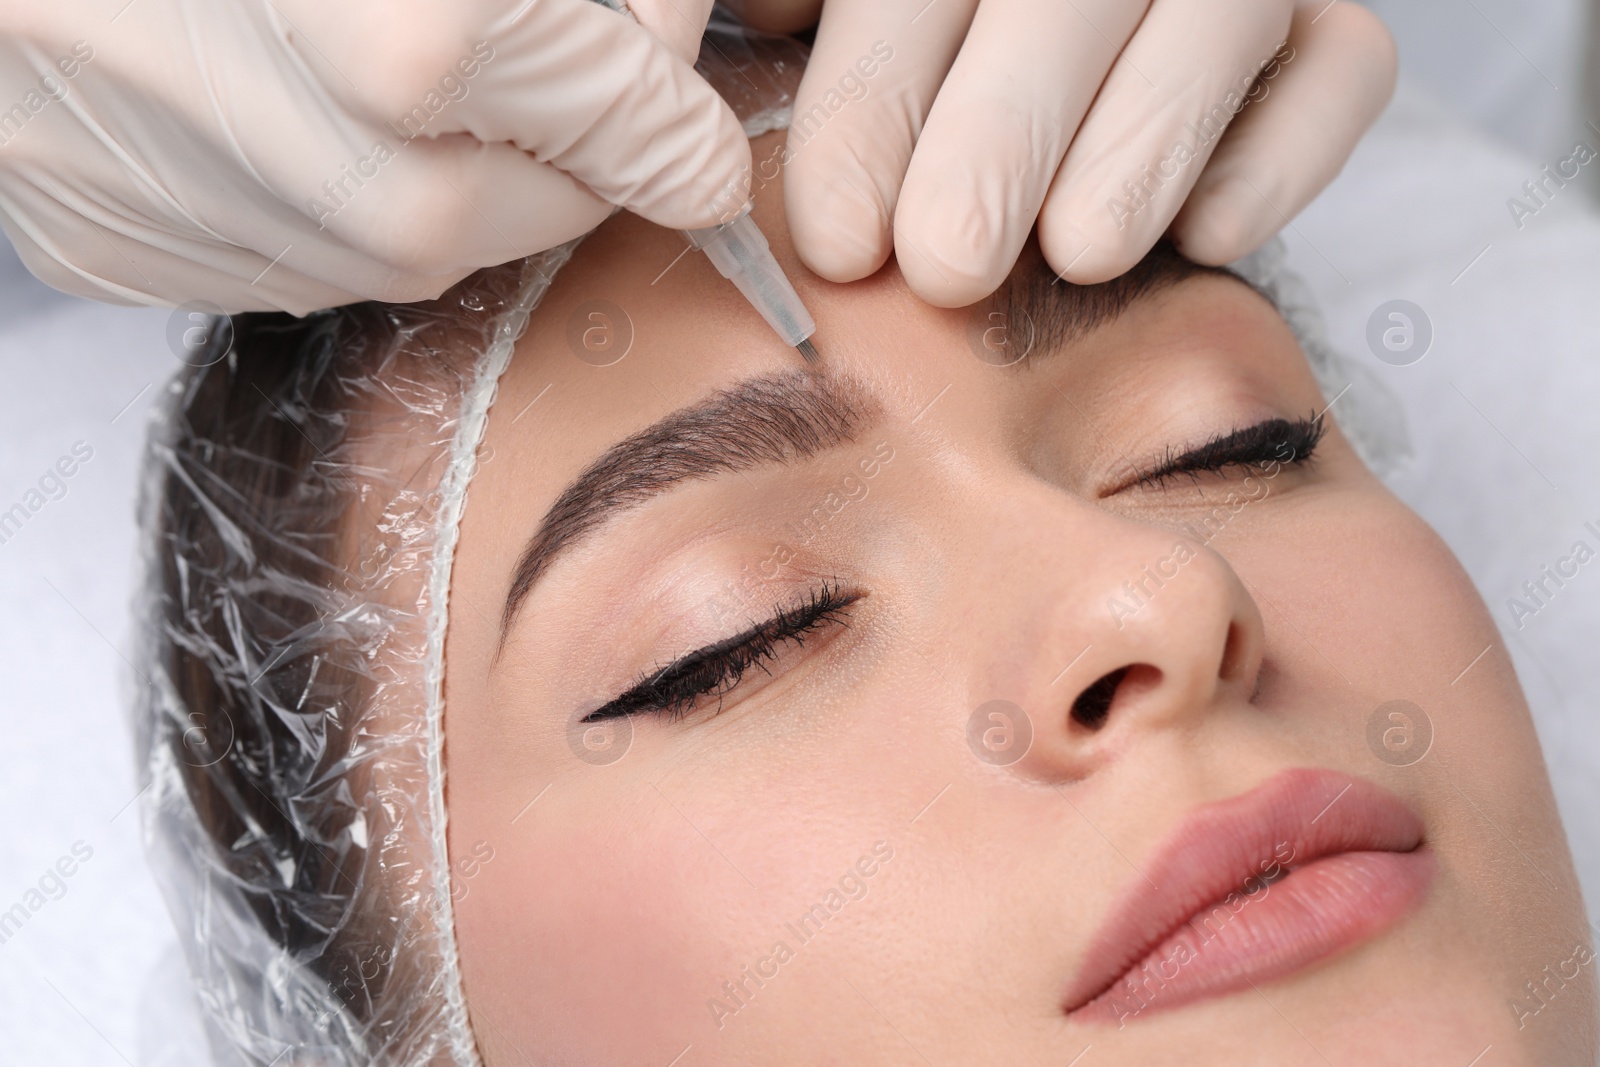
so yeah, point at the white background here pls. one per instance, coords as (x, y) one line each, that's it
(1502, 411)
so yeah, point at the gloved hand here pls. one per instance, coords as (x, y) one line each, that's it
(963, 121)
(299, 154)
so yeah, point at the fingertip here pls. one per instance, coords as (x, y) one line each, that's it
(1354, 42)
(953, 250)
(1222, 221)
(1066, 247)
(938, 280)
(1360, 29)
(841, 257)
(1077, 258)
(840, 230)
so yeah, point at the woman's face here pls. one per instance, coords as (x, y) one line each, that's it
(916, 708)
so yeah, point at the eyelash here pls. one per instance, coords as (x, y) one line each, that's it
(1254, 446)
(672, 691)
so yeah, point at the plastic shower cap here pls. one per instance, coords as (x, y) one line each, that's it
(299, 506)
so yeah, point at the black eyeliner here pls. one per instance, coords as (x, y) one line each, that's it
(673, 689)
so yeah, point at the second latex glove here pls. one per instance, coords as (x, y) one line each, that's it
(943, 129)
(299, 154)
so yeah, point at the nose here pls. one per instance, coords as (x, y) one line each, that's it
(1130, 630)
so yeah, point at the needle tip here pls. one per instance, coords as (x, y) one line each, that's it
(808, 350)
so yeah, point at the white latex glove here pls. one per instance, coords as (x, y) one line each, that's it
(300, 154)
(991, 114)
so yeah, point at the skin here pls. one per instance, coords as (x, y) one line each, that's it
(619, 900)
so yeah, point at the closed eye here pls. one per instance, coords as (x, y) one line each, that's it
(715, 670)
(1280, 441)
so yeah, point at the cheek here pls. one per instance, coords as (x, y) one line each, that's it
(1355, 584)
(584, 938)
(1372, 591)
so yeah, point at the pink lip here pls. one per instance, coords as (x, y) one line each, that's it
(1253, 888)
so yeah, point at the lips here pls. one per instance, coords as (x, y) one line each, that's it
(1253, 888)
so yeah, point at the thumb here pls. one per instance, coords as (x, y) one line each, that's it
(597, 95)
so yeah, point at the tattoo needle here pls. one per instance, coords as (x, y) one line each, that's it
(740, 252)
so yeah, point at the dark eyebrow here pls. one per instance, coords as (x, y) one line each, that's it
(1060, 312)
(775, 418)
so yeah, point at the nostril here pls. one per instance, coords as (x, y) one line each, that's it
(1094, 703)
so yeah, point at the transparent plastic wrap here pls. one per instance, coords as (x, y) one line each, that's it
(299, 510)
(299, 506)
(279, 815)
